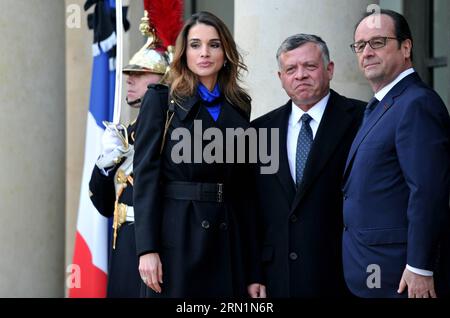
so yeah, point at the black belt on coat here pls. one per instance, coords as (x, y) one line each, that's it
(195, 191)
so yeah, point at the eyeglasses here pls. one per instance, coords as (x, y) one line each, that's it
(375, 43)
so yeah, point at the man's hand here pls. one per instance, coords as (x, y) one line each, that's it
(257, 291)
(150, 269)
(418, 286)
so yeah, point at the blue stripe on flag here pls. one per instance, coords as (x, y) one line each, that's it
(102, 90)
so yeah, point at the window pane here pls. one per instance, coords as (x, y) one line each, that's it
(441, 48)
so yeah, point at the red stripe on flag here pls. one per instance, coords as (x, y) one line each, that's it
(92, 279)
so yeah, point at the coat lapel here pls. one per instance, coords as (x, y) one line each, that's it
(333, 126)
(384, 105)
(184, 106)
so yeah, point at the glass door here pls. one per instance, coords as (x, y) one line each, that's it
(439, 61)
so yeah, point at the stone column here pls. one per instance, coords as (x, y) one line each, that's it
(32, 94)
(261, 26)
(78, 80)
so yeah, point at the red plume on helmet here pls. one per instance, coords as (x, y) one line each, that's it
(166, 18)
(161, 24)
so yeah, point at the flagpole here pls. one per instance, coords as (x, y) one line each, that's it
(119, 63)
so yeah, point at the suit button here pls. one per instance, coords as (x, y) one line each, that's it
(293, 256)
(205, 224)
(223, 226)
(293, 218)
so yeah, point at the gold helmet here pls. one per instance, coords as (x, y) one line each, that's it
(160, 24)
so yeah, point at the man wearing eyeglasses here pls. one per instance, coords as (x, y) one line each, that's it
(397, 175)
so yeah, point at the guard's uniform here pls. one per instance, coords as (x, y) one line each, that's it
(123, 273)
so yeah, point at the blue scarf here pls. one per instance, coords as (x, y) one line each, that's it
(212, 100)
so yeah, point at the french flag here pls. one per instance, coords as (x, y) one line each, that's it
(90, 259)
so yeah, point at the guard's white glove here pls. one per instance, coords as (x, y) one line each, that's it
(112, 158)
(110, 141)
(113, 150)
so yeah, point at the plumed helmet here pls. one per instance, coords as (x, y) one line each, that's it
(161, 24)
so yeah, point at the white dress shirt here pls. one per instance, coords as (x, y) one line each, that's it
(380, 95)
(295, 124)
(383, 92)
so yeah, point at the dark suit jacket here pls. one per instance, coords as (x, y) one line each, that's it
(397, 182)
(301, 230)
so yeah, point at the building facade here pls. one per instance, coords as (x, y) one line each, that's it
(46, 68)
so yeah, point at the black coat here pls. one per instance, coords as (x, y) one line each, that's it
(201, 244)
(301, 230)
(442, 273)
(123, 274)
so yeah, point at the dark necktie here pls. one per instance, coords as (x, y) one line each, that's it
(304, 142)
(369, 108)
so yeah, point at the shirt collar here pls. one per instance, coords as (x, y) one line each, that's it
(383, 92)
(316, 112)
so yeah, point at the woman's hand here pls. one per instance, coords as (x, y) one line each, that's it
(150, 269)
(257, 291)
